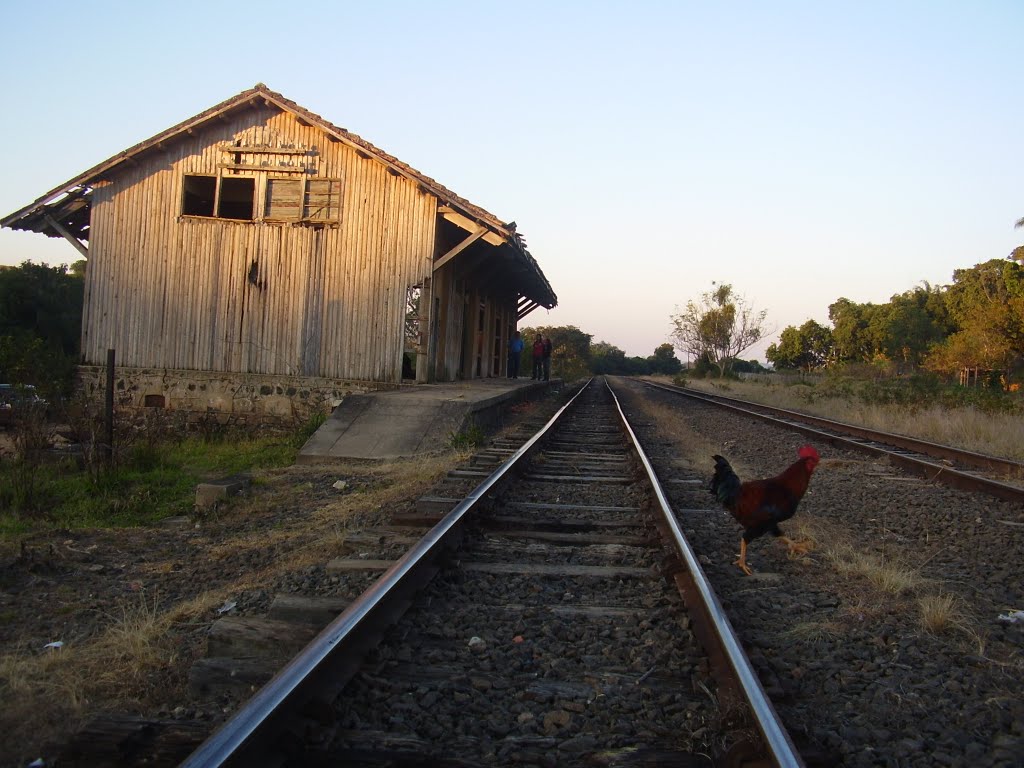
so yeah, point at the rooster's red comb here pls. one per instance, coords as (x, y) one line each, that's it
(808, 452)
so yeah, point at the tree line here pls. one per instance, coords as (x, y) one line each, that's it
(40, 325)
(976, 322)
(575, 355)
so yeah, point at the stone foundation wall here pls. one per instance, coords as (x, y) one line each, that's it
(231, 397)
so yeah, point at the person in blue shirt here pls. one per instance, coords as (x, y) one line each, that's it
(515, 353)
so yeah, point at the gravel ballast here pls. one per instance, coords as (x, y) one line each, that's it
(852, 671)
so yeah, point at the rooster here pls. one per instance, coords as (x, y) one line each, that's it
(760, 505)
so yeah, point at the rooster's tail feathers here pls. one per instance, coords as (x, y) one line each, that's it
(725, 485)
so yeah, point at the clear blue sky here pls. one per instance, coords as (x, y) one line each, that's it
(801, 151)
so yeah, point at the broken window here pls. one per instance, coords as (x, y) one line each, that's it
(199, 194)
(234, 197)
(237, 196)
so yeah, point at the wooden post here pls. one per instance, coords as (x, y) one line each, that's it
(424, 339)
(108, 410)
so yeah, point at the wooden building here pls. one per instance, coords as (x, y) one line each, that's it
(257, 245)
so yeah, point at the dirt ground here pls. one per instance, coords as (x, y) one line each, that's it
(100, 621)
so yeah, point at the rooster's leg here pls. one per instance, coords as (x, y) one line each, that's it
(796, 548)
(742, 561)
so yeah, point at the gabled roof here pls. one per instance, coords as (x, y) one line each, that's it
(67, 206)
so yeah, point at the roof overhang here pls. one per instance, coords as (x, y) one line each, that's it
(510, 256)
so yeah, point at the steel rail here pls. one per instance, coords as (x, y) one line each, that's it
(927, 469)
(237, 740)
(777, 739)
(939, 451)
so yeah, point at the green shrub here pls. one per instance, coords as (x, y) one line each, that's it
(308, 428)
(469, 438)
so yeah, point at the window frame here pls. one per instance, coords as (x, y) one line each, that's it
(184, 193)
(328, 192)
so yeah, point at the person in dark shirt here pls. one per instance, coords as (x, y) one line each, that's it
(515, 354)
(538, 358)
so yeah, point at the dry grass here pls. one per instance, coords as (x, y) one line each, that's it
(814, 631)
(889, 579)
(136, 659)
(890, 576)
(967, 428)
(941, 612)
(53, 692)
(886, 573)
(692, 450)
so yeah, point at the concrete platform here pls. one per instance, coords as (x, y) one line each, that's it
(413, 419)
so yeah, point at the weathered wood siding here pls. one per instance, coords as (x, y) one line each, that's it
(172, 291)
(461, 340)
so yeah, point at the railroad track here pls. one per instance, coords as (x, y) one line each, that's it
(555, 616)
(966, 470)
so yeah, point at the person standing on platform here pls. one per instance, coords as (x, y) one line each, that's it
(515, 354)
(547, 359)
(538, 358)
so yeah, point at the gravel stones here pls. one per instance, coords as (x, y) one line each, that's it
(855, 677)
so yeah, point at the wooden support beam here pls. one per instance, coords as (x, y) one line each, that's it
(67, 235)
(466, 223)
(270, 168)
(264, 149)
(524, 312)
(480, 232)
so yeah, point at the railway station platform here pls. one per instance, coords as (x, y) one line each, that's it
(414, 419)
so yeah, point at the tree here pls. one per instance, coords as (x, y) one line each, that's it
(979, 346)
(40, 326)
(986, 303)
(748, 366)
(44, 301)
(664, 360)
(912, 322)
(720, 326)
(570, 354)
(805, 348)
(1017, 254)
(860, 332)
(606, 358)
